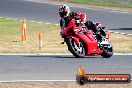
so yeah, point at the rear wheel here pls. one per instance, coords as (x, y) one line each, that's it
(77, 50)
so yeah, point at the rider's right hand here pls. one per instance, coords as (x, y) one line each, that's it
(72, 14)
(61, 33)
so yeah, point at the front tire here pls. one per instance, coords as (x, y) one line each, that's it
(107, 48)
(77, 50)
(107, 53)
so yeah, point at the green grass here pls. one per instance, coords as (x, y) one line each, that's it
(10, 40)
(109, 3)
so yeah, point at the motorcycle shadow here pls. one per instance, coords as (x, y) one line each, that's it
(60, 56)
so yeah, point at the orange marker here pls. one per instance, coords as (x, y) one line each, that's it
(40, 41)
(23, 27)
(108, 35)
(22, 39)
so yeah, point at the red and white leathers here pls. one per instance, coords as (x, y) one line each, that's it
(78, 18)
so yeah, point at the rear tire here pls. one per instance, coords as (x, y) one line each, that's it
(77, 50)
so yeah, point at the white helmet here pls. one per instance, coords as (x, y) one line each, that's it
(64, 11)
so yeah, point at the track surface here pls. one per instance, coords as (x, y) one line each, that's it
(114, 20)
(60, 67)
(57, 67)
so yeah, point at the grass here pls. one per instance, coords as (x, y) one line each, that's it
(109, 3)
(121, 43)
(10, 40)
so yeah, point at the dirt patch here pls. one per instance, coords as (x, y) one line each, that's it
(61, 85)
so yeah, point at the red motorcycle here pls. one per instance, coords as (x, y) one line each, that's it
(85, 43)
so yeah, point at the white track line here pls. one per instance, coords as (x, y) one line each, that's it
(32, 21)
(48, 23)
(122, 53)
(1, 17)
(52, 54)
(40, 22)
(56, 24)
(37, 81)
(118, 11)
(120, 33)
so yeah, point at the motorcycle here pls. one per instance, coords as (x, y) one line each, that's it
(85, 43)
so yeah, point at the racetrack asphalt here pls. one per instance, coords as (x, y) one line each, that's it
(113, 20)
(59, 67)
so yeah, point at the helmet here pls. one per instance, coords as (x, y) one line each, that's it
(64, 11)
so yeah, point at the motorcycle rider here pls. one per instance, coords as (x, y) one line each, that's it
(64, 12)
(80, 19)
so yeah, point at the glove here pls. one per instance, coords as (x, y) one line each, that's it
(73, 14)
(98, 25)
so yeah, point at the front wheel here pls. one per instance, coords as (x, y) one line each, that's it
(107, 52)
(77, 50)
(107, 49)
